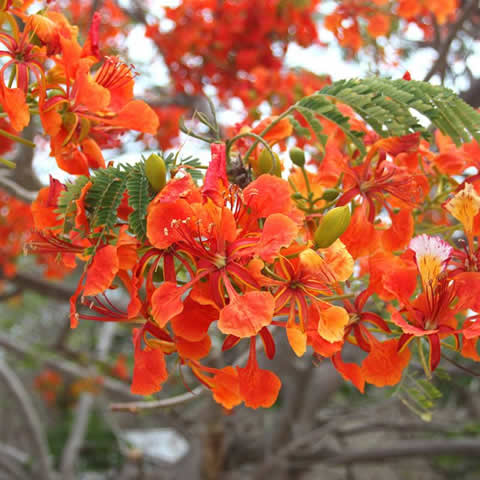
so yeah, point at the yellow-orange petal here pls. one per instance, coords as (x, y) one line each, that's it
(90, 94)
(15, 106)
(332, 323)
(297, 340)
(258, 387)
(339, 260)
(282, 130)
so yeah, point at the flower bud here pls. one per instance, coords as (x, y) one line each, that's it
(297, 156)
(332, 225)
(330, 194)
(156, 171)
(268, 162)
(265, 162)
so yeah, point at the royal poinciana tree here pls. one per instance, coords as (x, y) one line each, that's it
(340, 227)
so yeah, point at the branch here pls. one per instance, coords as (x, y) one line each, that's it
(472, 95)
(16, 190)
(136, 407)
(32, 420)
(83, 409)
(112, 386)
(408, 448)
(7, 296)
(445, 48)
(43, 287)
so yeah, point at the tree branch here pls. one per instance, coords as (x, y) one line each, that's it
(83, 410)
(136, 407)
(454, 30)
(32, 420)
(112, 386)
(56, 291)
(408, 448)
(14, 189)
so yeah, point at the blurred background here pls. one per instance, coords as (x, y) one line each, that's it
(66, 409)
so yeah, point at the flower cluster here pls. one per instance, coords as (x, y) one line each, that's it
(84, 99)
(277, 257)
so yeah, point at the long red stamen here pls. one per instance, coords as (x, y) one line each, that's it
(114, 73)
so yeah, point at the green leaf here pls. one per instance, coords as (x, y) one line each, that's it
(138, 198)
(388, 106)
(66, 201)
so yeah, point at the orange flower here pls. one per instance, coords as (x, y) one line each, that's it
(89, 106)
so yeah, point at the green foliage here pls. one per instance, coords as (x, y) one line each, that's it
(66, 202)
(139, 197)
(419, 395)
(387, 105)
(100, 450)
(191, 164)
(109, 185)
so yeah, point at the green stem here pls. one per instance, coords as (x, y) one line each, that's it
(258, 138)
(7, 163)
(267, 129)
(15, 138)
(12, 76)
(340, 297)
(423, 360)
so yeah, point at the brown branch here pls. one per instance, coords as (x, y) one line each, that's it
(8, 295)
(472, 95)
(136, 407)
(14, 189)
(408, 448)
(24, 281)
(455, 28)
(31, 418)
(51, 360)
(83, 410)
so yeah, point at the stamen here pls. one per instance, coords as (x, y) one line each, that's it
(114, 73)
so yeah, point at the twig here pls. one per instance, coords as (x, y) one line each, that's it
(135, 407)
(83, 409)
(56, 291)
(112, 386)
(15, 189)
(445, 48)
(32, 420)
(408, 448)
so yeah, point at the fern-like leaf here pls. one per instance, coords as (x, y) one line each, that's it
(387, 106)
(66, 202)
(138, 198)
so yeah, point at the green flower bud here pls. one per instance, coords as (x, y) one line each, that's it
(268, 164)
(297, 156)
(156, 171)
(332, 225)
(330, 194)
(265, 162)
